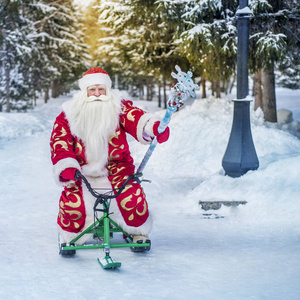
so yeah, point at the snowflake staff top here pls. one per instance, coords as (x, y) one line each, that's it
(181, 90)
(179, 93)
(185, 81)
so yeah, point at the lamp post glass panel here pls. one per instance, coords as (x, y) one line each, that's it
(240, 155)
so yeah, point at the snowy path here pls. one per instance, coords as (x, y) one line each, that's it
(252, 253)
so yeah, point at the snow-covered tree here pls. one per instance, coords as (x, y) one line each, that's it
(16, 47)
(44, 45)
(60, 41)
(274, 41)
(207, 36)
(139, 41)
(288, 74)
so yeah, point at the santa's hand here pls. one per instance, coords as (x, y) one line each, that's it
(163, 136)
(68, 174)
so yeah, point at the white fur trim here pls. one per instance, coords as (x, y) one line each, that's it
(144, 119)
(95, 78)
(95, 169)
(67, 106)
(149, 127)
(67, 237)
(62, 165)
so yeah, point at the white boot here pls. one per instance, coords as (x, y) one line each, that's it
(140, 239)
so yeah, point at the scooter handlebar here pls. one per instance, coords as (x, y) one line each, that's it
(133, 177)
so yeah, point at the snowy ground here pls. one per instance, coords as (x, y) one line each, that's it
(251, 253)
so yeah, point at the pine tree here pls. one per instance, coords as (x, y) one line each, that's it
(60, 41)
(139, 41)
(17, 48)
(207, 37)
(271, 25)
(288, 74)
(44, 46)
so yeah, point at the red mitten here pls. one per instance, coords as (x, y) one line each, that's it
(68, 174)
(161, 137)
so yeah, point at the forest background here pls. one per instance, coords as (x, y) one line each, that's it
(47, 45)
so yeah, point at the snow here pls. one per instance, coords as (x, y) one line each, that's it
(246, 252)
(244, 11)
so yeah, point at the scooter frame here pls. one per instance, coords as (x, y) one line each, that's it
(105, 227)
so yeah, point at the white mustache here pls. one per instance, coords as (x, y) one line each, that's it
(94, 98)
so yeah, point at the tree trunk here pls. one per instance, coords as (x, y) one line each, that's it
(218, 88)
(257, 90)
(46, 96)
(165, 94)
(213, 88)
(150, 89)
(225, 87)
(231, 84)
(203, 87)
(116, 81)
(141, 89)
(55, 89)
(159, 94)
(269, 95)
(147, 89)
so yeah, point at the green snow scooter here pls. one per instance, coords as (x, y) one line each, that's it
(104, 227)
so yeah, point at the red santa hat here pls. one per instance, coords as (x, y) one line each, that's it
(94, 76)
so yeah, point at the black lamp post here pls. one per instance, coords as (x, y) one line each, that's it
(240, 155)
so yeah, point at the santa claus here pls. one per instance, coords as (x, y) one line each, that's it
(90, 136)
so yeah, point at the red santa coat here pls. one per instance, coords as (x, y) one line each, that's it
(69, 151)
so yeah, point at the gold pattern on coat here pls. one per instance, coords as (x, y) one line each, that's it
(131, 217)
(118, 170)
(111, 157)
(139, 200)
(144, 210)
(116, 179)
(61, 204)
(130, 115)
(74, 212)
(78, 148)
(54, 133)
(81, 161)
(74, 204)
(62, 219)
(127, 187)
(116, 136)
(63, 144)
(63, 132)
(125, 201)
(123, 122)
(138, 192)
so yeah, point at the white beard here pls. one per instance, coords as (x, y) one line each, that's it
(94, 122)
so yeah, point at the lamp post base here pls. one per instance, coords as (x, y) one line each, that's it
(240, 155)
